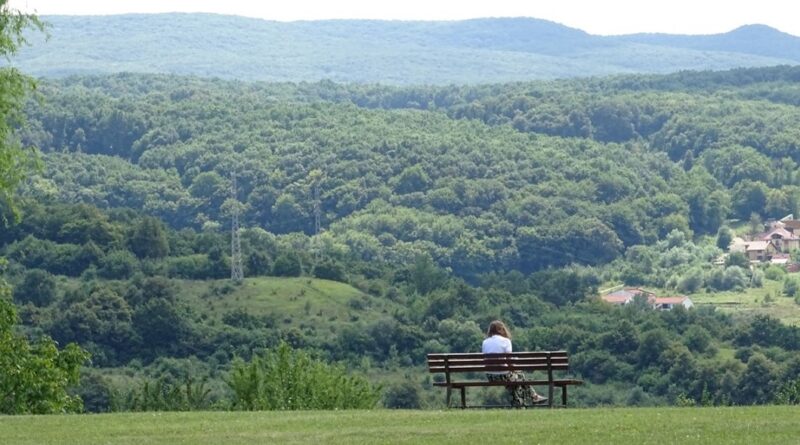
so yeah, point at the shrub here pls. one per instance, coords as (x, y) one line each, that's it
(403, 395)
(288, 379)
(119, 264)
(691, 281)
(790, 286)
(774, 273)
(737, 259)
(287, 265)
(329, 269)
(160, 395)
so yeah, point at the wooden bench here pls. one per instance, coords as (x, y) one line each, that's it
(545, 361)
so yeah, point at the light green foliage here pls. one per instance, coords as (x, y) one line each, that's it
(15, 162)
(287, 379)
(775, 273)
(34, 377)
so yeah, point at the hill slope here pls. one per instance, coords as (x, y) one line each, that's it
(393, 52)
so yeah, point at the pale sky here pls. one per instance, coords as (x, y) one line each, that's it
(594, 16)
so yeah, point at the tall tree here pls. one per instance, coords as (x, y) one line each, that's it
(33, 376)
(149, 239)
(15, 161)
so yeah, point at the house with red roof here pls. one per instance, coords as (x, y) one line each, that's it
(783, 239)
(669, 303)
(627, 295)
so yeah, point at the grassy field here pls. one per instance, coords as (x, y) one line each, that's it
(304, 302)
(753, 301)
(747, 302)
(740, 425)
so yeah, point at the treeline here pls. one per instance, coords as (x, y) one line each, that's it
(446, 207)
(174, 353)
(463, 174)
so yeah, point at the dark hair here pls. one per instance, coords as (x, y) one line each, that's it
(497, 327)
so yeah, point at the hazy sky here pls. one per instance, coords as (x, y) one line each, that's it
(594, 16)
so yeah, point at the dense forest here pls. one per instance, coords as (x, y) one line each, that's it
(395, 221)
(390, 52)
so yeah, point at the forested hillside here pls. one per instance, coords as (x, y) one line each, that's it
(381, 223)
(386, 52)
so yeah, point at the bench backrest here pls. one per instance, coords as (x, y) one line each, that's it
(513, 361)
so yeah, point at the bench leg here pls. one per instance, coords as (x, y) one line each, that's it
(550, 394)
(463, 397)
(564, 396)
(448, 397)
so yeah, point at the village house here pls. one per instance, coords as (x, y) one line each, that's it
(626, 296)
(760, 250)
(669, 303)
(783, 239)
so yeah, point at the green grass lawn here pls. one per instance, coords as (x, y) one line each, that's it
(752, 301)
(740, 425)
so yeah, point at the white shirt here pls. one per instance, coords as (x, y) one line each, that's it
(496, 344)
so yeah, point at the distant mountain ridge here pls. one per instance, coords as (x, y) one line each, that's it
(759, 40)
(373, 51)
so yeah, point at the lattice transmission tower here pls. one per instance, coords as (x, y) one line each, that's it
(237, 273)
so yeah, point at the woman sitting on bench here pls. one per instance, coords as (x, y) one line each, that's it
(498, 341)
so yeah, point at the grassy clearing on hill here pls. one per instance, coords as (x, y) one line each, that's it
(739, 425)
(307, 301)
(753, 301)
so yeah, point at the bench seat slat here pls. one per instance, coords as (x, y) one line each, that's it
(492, 359)
(496, 362)
(556, 382)
(468, 355)
(495, 368)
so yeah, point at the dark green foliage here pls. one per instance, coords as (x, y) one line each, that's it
(118, 264)
(149, 239)
(143, 289)
(758, 382)
(96, 393)
(425, 276)
(37, 287)
(329, 269)
(284, 378)
(724, 238)
(160, 395)
(97, 316)
(160, 323)
(738, 259)
(287, 265)
(563, 286)
(403, 395)
(446, 216)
